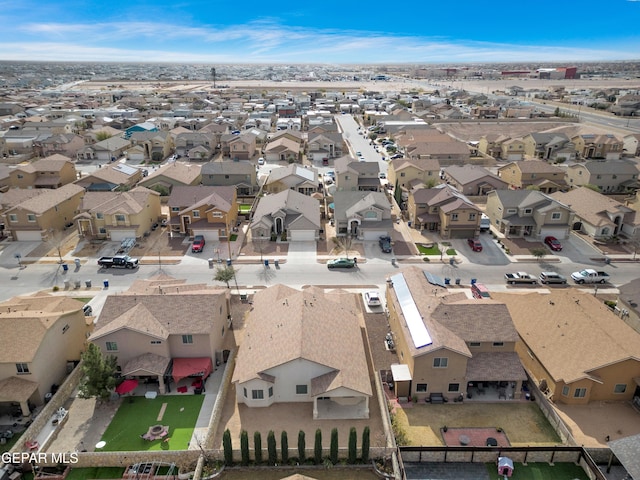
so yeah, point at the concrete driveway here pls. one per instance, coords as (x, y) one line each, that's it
(491, 253)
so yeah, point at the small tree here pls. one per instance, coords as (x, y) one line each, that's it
(539, 253)
(226, 445)
(284, 446)
(317, 447)
(366, 434)
(225, 274)
(353, 447)
(102, 135)
(98, 374)
(271, 448)
(302, 446)
(244, 448)
(333, 449)
(257, 447)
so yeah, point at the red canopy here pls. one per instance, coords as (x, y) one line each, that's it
(191, 367)
(127, 386)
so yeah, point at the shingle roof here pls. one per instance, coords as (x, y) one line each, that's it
(294, 203)
(50, 198)
(286, 324)
(131, 202)
(185, 173)
(591, 206)
(191, 196)
(228, 167)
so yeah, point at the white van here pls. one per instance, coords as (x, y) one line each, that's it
(485, 223)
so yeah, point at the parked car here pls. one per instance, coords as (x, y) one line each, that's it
(552, 277)
(479, 290)
(475, 244)
(372, 299)
(589, 275)
(198, 244)
(485, 223)
(341, 263)
(520, 277)
(553, 243)
(119, 261)
(261, 161)
(385, 244)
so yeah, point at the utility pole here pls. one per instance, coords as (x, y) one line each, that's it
(213, 74)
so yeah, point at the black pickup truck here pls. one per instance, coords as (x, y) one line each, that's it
(120, 261)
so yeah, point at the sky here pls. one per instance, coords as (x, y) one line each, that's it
(329, 31)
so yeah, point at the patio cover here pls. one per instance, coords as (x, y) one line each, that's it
(14, 389)
(626, 450)
(127, 386)
(191, 367)
(495, 367)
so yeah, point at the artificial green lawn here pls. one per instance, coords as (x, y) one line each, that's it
(244, 208)
(137, 414)
(233, 237)
(541, 471)
(428, 251)
(95, 473)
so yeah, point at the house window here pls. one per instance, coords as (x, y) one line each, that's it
(103, 230)
(454, 217)
(580, 393)
(31, 217)
(65, 328)
(511, 211)
(346, 177)
(498, 344)
(222, 334)
(13, 217)
(187, 339)
(598, 177)
(528, 211)
(99, 216)
(226, 176)
(119, 217)
(22, 368)
(620, 388)
(440, 362)
(156, 342)
(217, 214)
(257, 394)
(175, 209)
(472, 216)
(20, 176)
(270, 392)
(474, 344)
(556, 216)
(454, 387)
(112, 347)
(402, 174)
(196, 214)
(421, 387)
(301, 389)
(245, 392)
(614, 176)
(565, 391)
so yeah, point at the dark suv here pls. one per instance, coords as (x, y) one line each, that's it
(385, 244)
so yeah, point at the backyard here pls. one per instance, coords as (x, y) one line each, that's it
(137, 414)
(541, 471)
(523, 423)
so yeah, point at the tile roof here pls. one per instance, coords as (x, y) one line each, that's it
(50, 198)
(188, 196)
(185, 173)
(295, 204)
(591, 206)
(325, 328)
(572, 333)
(469, 173)
(228, 167)
(131, 202)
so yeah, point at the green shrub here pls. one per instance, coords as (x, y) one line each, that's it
(366, 434)
(317, 447)
(301, 447)
(284, 446)
(353, 448)
(257, 447)
(226, 445)
(271, 448)
(333, 451)
(244, 448)
(426, 259)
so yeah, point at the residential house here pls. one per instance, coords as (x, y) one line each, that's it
(184, 142)
(164, 330)
(150, 145)
(111, 177)
(106, 150)
(287, 213)
(446, 153)
(43, 337)
(533, 173)
(550, 146)
(491, 144)
(292, 177)
(68, 144)
(485, 111)
(352, 175)
(609, 176)
(118, 215)
(305, 346)
(445, 210)
(631, 145)
(173, 174)
(449, 344)
(627, 305)
(574, 347)
(473, 179)
(203, 210)
(144, 127)
(35, 218)
(282, 148)
(363, 215)
(600, 216)
(240, 147)
(50, 172)
(241, 174)
(592, 145)
(406, 174)
(325, 145)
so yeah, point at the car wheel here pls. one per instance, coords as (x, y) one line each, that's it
(602, 281)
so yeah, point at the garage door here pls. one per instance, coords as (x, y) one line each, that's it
(28, 236)
(373, 234)
(209, 235)
(559, 233)
(302, 235)
(514, 157)
(466, 233)
(119, 235)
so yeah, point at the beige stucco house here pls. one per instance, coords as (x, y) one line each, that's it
(533, 173)
(49, 172)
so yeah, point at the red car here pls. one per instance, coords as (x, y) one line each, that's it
(198, 244)
(553, 243)
(475, 244)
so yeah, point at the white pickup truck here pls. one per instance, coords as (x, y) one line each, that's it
(589, 275)
(520, 277)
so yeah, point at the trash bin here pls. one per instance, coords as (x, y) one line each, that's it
(276, 263)
(67, 283)
(77, 262)
(393, 261)
(228, 262)
(473, 281)
(457, 281)
(210, 260)
(447, 281)
(65, 267)
(452, 261)
(76, 283)
(87, 283)
(266, 263)
(106, 283)
(49, 395)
